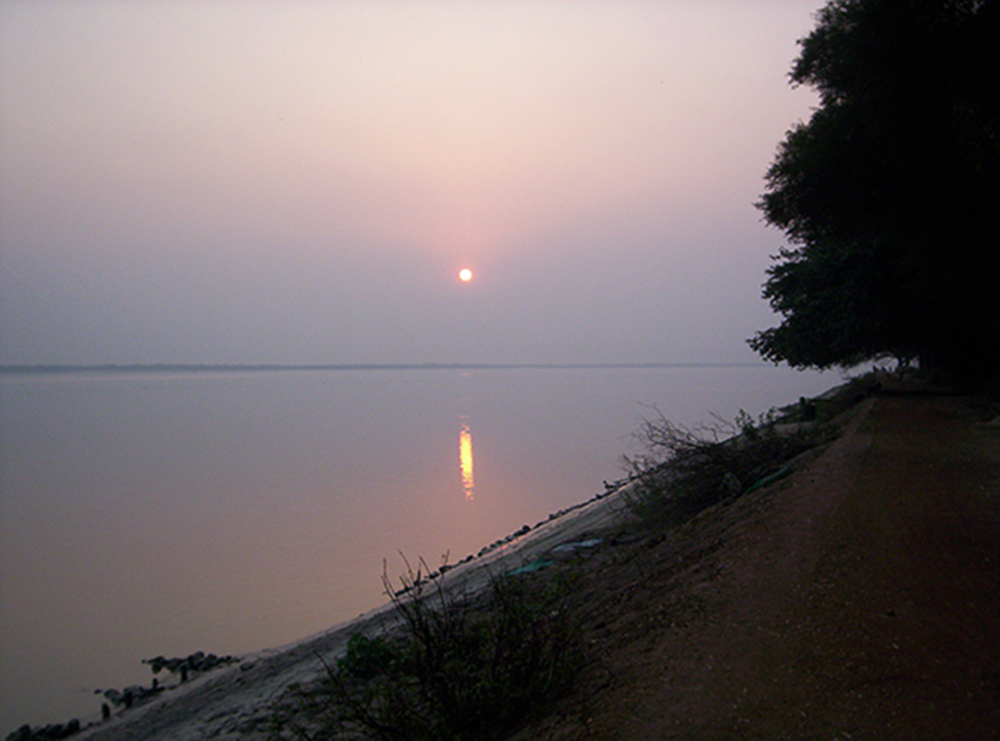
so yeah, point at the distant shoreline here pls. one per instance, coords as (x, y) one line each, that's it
(22, 370)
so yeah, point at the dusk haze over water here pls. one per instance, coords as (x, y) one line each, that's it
(301, 182)
(499, 368)
(289, 289)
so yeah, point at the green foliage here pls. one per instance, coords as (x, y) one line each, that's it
(367, 658)
(832, 299)
(457, 668)
(891, 192)
(681, 471)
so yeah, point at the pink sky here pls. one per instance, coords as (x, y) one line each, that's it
(299, 182)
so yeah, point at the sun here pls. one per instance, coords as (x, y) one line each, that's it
(465, 275)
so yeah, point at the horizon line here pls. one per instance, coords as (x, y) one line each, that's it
(21, 368)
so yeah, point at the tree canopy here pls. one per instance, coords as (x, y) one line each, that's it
(890, 194)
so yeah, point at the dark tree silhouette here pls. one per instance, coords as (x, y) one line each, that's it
(890, 194)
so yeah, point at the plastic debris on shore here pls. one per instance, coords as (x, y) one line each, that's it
(572, 547)
(537, 565)
(560, 550)
(782, 473)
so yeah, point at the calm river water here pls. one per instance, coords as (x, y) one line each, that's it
(147, 514)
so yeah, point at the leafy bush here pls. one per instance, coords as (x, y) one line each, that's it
(459, 668)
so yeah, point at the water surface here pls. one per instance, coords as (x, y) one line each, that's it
(147, 514)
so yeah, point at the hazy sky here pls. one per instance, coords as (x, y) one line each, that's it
(300, 182)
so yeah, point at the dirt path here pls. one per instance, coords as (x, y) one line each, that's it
(858, 599)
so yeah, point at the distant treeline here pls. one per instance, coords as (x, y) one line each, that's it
(240, 368)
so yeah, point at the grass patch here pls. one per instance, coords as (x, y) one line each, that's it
(680, 471)
(459, 668)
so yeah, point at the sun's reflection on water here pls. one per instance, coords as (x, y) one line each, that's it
(465, 460)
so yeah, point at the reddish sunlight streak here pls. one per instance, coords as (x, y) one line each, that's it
(465, 460)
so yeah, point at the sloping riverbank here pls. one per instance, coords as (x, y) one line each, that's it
(857, 597)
